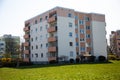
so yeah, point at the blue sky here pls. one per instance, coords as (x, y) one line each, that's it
(13, 13)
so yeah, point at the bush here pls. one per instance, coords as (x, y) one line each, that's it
(112, 57)
(77, 60)
(91, 58)
(101, 58)
(52, 61)
(71, 60)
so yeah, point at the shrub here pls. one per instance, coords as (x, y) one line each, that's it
(91, 58)
(112, 57)
(101, 58)
(71, 60)
(77, 60)
(52, 61)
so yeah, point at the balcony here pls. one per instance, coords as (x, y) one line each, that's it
(52, 39)
(26, 51)
(51, 58)
(26, 44)
(52, 19)
(52, 49)
(26, 59)
(26, 36)
(26, 29)
(52, 29)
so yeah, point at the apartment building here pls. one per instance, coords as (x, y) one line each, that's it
(115, 42)
(2, 48)
(62, 34)
(10, 44)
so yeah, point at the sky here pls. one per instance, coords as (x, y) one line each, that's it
(13, 13)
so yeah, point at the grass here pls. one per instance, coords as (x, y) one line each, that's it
(108, 71)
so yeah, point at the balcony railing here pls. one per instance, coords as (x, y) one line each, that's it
(52, 39)
(26, 59)
(52, 29)
(52, 19)
(26, 36)
(26, 44)
(26, 51)
(26, 29)
(51, 58)
(52, 49)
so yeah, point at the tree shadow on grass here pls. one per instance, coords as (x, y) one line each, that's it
(29, 65)
(58, 65)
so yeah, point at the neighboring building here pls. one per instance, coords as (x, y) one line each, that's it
(115, 42)
(63, 34)
(2, 48)
(12, 44)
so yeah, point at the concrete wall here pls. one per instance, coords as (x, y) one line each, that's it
(40, 40)
(99, 38)
(64, 38)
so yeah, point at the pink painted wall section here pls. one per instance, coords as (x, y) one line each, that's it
(64, 12)
(98, 17)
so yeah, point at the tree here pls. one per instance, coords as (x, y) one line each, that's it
(12, 46)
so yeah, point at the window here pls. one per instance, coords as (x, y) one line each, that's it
(76, 25)
(36, 38)
(81, 22)
(36, 29)
(77, 53)
(87, 35)
(82, 49)
(1, 44)
(41, 45)
(118, 32)
(46, 44)
(35, 21)
(76, 35)
(76, 17)
(40, 19)
(118, 43)
(69, 15)
(36, 46)
(46, 17)
(41, 55)
(36, 55)
(40, 28)
(32, 47)
(71, 53)
(87, 27)
(70, 34)
(82, 39)
(31, 31)
(82, 31)
(32, 39)
(32, 55)
(40, 37)
(76, 43)
(71, 43)
(70, 24)
(46, 35)
(87, 18)
(46, 26)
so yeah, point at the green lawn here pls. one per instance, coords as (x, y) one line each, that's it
(108, 71)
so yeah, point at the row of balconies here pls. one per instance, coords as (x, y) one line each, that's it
(52, 29)
(50, 39)
(53, 48)
(26, 29)
(52, 19)
(50, 49)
